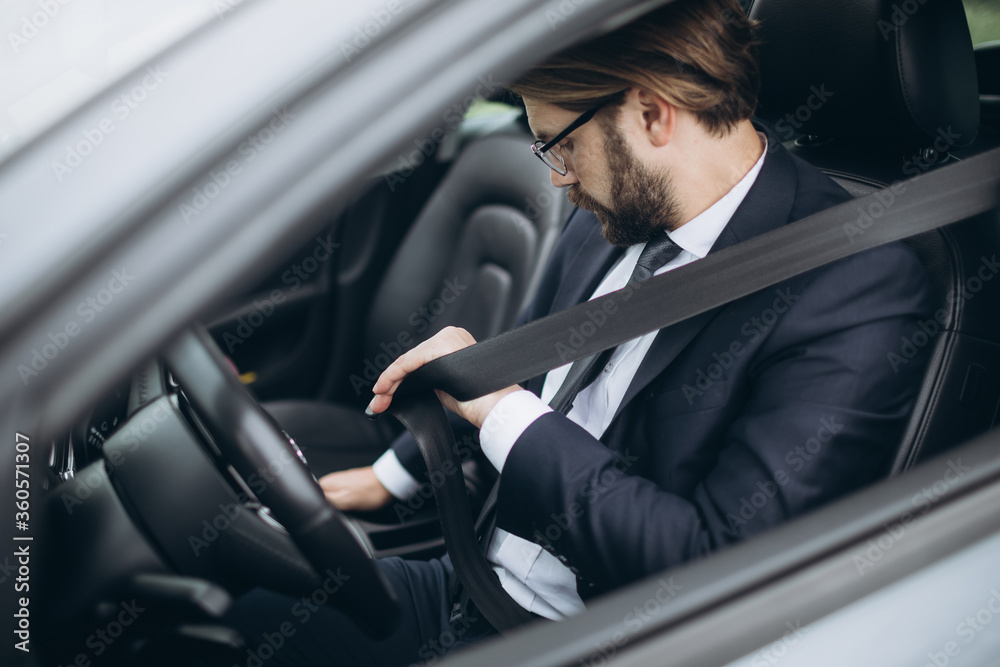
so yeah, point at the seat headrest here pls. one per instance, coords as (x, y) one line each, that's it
(898, 73)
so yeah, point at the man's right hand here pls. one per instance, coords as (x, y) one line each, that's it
(355, 489)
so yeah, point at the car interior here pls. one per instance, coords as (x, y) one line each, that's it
(470, 258)
(868, 131)
(456, 232)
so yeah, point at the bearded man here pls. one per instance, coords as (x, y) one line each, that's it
(684, 440)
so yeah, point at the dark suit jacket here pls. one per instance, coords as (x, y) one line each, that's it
(737, 419)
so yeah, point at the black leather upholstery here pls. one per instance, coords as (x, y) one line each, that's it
(484, 233)
(893, 85)
(471, 259)
(883, 71)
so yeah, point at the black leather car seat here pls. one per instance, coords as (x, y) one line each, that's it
(471, 259)
(874, 92)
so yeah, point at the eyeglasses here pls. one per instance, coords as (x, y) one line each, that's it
(549, 154)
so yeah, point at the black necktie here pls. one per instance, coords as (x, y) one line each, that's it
(583, 372)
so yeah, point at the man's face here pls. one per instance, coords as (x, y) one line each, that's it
(631, 200)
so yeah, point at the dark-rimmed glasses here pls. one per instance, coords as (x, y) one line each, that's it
(549, 154)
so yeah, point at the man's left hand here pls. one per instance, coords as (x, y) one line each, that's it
(446, 341)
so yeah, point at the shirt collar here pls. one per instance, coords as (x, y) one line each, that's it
(699, 234)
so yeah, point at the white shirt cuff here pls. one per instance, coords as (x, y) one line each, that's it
(394, 477)
(505, 423)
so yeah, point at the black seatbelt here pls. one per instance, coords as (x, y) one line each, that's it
(583, 372)
(657, 252)
(926, 202)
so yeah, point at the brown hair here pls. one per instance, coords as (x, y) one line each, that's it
(699, 55)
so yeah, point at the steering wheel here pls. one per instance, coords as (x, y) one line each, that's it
(250, 441)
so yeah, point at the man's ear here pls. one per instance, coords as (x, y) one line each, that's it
(659, 117)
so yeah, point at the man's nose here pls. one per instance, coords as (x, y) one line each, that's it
(563, 181)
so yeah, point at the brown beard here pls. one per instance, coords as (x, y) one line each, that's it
(642, 202)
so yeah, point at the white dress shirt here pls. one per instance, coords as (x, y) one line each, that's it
(532, 576)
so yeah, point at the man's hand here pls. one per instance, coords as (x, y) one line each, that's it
(355, 489)
(446, 341)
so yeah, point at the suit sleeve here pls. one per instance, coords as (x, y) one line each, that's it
(822, 408)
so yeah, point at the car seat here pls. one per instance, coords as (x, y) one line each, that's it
(874, 92)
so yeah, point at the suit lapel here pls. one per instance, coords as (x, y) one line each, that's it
(665, 348)
(586, 270)
(767, 206)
